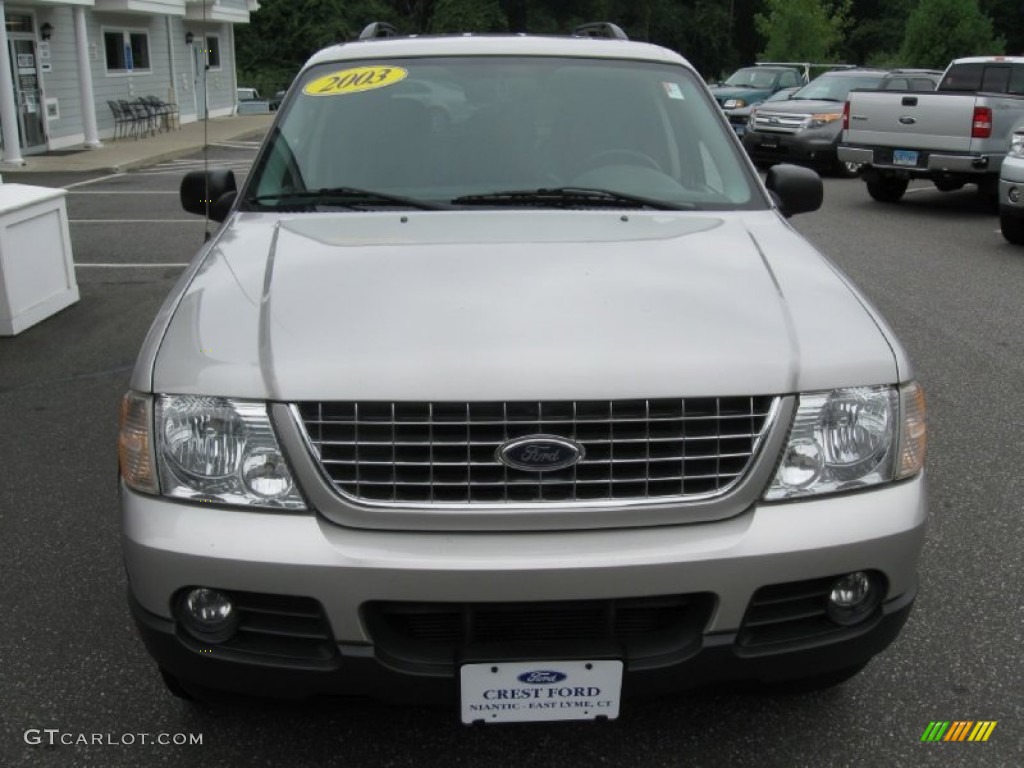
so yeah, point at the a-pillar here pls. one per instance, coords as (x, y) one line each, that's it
(92, 135)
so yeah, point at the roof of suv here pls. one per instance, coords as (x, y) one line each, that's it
(496, 45)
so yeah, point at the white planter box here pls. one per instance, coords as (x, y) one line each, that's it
(37, 274)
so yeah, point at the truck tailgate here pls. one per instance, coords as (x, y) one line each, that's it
(911, 120)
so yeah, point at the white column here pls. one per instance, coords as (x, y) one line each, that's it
(8, 109)
(92, 134)
(233, 93)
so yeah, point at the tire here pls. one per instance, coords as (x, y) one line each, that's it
(812, 683)
(886, 189)
(1012, 227)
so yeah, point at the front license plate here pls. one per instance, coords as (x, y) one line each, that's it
(540, 690)
(904, 157)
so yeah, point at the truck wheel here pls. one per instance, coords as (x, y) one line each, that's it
(886, 189)
(1012, 227)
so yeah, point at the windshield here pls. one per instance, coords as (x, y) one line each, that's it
(837, 87)
(752, 77)
(432, 131)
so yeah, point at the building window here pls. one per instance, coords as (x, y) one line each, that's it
(19, 22)
(127, 50)
(213, 51)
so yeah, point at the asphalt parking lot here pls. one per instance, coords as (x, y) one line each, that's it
(70, 660)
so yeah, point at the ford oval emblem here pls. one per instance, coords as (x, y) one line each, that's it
(541, 677)
(540, 453)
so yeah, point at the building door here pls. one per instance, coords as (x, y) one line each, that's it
(28, 95)
(199, 65)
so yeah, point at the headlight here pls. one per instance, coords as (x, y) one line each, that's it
(1016, 145)
(220, 450)
(734, 103)
(852, 438)
(824, 118)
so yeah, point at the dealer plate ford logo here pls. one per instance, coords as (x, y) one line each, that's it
(541, 676)
(540, 453)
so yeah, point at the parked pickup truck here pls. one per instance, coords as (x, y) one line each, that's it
(957, 135)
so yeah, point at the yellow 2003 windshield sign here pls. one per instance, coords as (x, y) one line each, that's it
(355, 80)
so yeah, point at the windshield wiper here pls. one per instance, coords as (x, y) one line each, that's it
(570, 197)
(350, 197)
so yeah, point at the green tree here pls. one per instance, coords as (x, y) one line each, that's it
(803, 30)
(941, 30)
(468, 16)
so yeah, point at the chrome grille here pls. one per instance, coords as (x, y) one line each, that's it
(779, 122)
(443, 452)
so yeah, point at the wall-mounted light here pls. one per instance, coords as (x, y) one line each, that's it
(189, 38)
(46, 31)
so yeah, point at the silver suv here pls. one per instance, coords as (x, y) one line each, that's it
(521, 396)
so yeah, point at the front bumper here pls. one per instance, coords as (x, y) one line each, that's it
(169, 546)
(1011, 179)
(813, 148)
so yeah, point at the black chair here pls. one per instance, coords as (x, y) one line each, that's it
(124, 122)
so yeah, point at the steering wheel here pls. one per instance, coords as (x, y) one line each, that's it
(620, 156)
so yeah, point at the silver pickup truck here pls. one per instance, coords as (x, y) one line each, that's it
(957, 135)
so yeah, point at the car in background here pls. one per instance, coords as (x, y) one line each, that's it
(1011, 190)
(748, 86)
(912, 80)
(738, 118)
(806, 128)
(250, 102)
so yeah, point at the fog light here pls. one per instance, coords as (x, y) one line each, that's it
(853, 597)
(1014, 195)
(208, 615)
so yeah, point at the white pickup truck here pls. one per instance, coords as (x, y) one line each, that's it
(956, 135)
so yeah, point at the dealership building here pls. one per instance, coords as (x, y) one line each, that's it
(66, 60)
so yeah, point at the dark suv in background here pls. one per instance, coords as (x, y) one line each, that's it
(806, 128)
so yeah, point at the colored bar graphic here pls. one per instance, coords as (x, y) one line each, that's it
(958, 730)
(935, 730)
(982, 730)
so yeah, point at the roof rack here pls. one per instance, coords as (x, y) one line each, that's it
(600, 29)
(378, 30)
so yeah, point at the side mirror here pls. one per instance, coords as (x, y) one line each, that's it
(209, 193)
(795, 189)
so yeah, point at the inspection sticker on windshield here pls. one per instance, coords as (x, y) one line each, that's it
(540, 690)
(355, 80)
(673, 91)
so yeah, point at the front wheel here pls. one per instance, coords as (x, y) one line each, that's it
(886, 189)
(1012, 227)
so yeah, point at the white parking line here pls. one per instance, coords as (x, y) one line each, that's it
(93, 181)
(136, 221)
(132, 266)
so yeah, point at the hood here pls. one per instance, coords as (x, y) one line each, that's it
(802, 106)
(725, 92)
(515, 305)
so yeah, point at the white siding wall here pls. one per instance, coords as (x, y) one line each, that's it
(62, 81)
